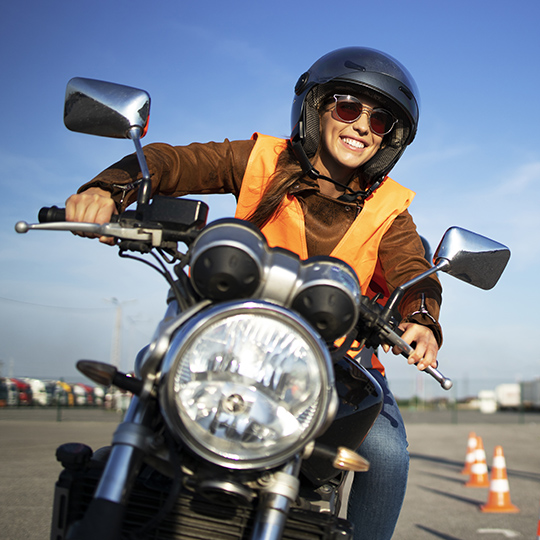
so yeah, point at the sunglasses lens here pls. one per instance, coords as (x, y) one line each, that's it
(381, 122)
(348, 111)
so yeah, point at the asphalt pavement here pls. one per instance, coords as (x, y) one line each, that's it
(437, 504)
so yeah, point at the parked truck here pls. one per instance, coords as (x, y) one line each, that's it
(40, 396)
(508, 396)
(9, 393)
(530, 394)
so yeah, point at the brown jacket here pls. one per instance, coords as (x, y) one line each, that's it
(219, 168)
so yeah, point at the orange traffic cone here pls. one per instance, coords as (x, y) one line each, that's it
(479, 471)
(499, 490)
(469, 458)
(538, 530)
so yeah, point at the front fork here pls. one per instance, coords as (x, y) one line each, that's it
(275, 502)
(131, 441)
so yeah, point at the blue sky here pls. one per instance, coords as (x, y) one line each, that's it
(217, 70)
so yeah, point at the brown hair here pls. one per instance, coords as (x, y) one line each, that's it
(288, 171)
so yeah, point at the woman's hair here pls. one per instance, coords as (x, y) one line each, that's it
(288, 171)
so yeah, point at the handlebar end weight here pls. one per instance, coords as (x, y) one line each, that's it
(22, 227)
(447, 384)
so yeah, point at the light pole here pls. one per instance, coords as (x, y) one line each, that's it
(116, 344)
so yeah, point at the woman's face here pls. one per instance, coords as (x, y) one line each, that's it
(344, 147)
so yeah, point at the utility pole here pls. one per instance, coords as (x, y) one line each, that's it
(116, 344)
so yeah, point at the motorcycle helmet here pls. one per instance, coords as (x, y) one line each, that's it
(356, 71)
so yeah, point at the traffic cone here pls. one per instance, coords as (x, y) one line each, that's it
(469, 458)
(499, 490)
(538, 530)
(479, 471)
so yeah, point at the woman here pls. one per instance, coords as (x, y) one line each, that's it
(325, 191)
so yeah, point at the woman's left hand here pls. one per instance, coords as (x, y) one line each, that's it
(426, 347)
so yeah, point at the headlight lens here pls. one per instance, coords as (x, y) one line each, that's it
(246, 384)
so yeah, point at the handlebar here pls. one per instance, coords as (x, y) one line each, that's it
(380, 331)
(53, 219)
(152, 233)
(407, 350)
(125, 227)
(50, 214)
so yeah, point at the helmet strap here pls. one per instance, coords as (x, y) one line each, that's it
(302, 158)
(350, 194)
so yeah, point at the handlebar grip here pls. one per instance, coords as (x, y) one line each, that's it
(50, 214)
(400, 332)
(445, 382)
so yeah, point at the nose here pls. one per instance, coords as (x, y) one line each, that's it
(361, 124)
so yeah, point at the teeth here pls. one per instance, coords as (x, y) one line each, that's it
(352, 142)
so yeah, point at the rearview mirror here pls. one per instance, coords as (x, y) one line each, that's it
(105, 109)
(465, 255)
(471, 257)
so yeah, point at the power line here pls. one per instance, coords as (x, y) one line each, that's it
(47, 306)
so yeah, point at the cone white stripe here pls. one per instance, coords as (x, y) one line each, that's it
(499, 485)
(479, 468)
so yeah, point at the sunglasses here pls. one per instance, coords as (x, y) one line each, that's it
(349, 109)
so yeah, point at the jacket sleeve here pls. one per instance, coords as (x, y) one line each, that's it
(178, 170)
(402, 257)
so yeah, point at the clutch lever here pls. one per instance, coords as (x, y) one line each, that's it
(116, 230)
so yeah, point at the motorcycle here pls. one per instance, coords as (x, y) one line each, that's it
(246, 410)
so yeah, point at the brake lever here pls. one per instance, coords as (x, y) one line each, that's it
(370, 315)
(406, 350)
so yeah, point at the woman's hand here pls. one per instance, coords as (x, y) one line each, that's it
(426, 348)
(94, 205)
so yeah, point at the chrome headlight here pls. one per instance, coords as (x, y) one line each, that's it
(247, 384)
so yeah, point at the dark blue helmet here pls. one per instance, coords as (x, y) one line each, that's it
(356, 71)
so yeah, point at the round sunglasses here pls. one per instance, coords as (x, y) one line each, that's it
(349, 109)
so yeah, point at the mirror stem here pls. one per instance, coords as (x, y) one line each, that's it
(145, 189)
(397, 295)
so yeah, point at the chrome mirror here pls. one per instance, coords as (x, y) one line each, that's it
(471, 257)
(106, 109)
(111, 110)
(465, 255)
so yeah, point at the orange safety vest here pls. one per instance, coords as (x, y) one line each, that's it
(359, 246)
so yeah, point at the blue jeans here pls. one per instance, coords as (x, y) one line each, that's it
(377, 495)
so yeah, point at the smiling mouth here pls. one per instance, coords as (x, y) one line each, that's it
(354, 143)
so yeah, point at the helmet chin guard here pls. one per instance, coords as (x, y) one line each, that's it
(358, 71)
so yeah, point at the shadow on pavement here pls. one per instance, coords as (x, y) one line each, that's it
(437, 534)
(439, 460)
(466, 500)
(451, 464)
(452, 479)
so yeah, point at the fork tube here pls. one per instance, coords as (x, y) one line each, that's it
(275, 502)
(104, 516)
(130, 442)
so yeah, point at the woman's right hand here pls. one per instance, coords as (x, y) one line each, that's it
(94, 205)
